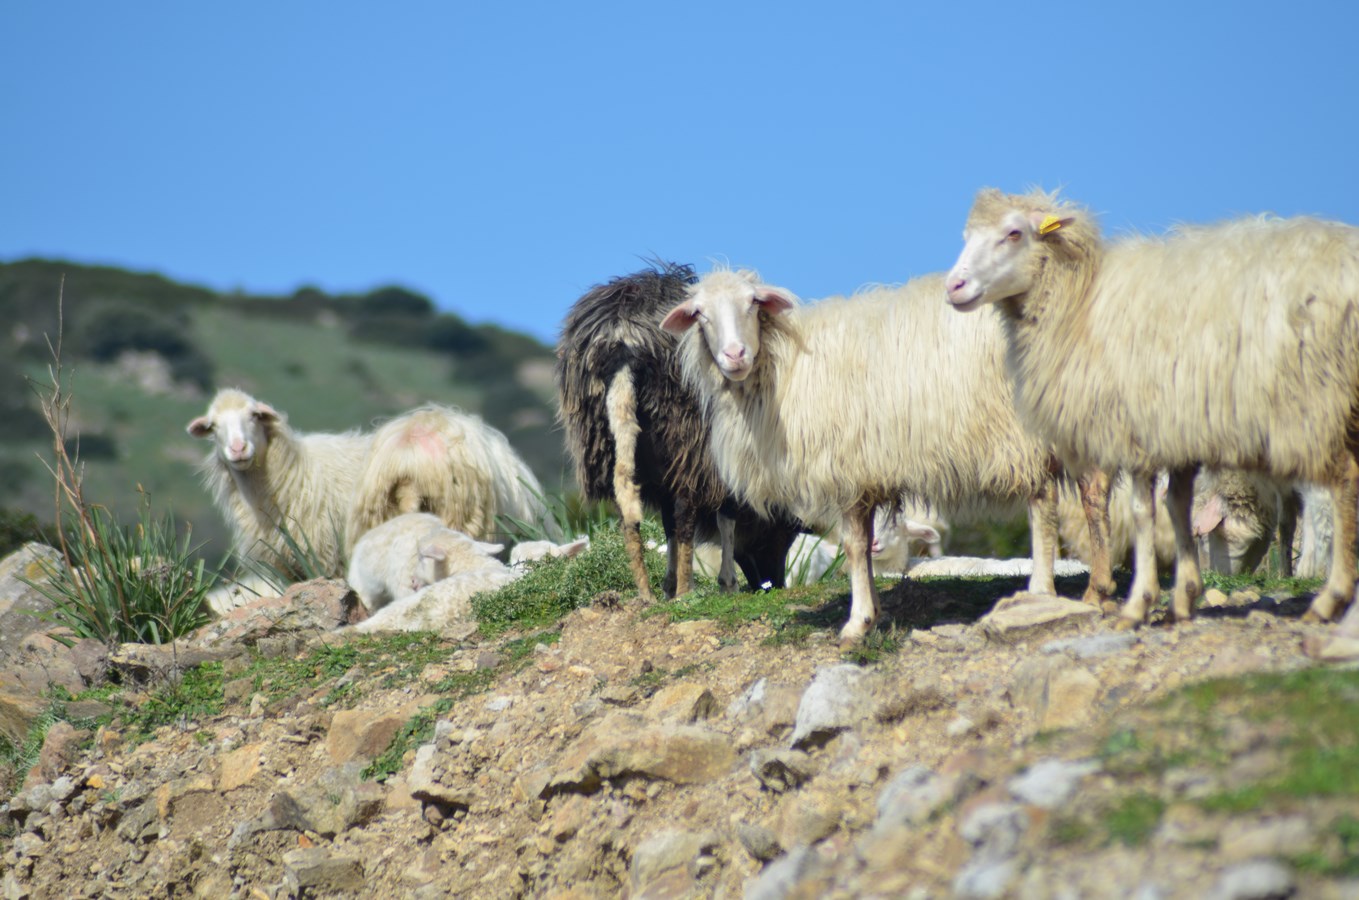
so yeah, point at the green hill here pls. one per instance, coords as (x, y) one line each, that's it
(144, 355)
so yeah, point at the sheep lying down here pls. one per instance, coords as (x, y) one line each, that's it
(413, 573)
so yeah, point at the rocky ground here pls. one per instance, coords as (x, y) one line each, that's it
(1035, 751)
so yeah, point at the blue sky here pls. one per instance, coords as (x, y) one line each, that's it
(503, 157)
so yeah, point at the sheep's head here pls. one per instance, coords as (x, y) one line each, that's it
(239, 425)
(727, 307)
(1002, 247)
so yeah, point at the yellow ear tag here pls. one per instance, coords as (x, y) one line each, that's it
(1050, 224)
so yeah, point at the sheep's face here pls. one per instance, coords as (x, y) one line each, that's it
(1000, 256)
(239, 428)
(726, 307)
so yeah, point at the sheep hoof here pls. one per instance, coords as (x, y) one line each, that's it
(1312, 617)
(1126, 624)
(854, 632)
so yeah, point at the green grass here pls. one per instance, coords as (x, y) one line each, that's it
(1134, 818)
(554, 587)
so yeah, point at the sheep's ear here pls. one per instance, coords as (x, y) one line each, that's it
(265, 413)
(1046, 223)
(488, 549)
(200, 427)
(681, 318)
(575, 548)
(771, 300)
(922, 532)
(433, 551)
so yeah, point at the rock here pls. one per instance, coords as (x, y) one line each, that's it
(1055, 692)
(1051, 783)
(22, 605)
(1017, 617)
(1284, 836)
(240, 766)
(321, 605)
(808, 818)
(60, 747)
(1257, 880)
(667, 855)
(911, 797)
(1213, 598)
(362, 734)
(831, 704)
(19, 709)
(767, 707)
(684, 702)
(994, 829)
(425, 784)
(314, 869)
(158, 662)
(781, 770)
(759, 842)
(617, 746)
(985, 879)
(335, 802)
(781, 877)
(1092, 646)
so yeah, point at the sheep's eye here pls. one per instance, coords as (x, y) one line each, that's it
(1014, 235)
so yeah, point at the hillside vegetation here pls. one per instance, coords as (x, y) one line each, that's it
(146, 353)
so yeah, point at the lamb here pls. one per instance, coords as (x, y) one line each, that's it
(440, 460)
(266, 478)
(1232, 346)
(1235, 516)
(636, 435)
(404, 554)
(807, 415)
(453, 572)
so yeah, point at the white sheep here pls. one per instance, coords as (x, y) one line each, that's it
(464, 570)
(404, 554)
(440, 460)
(832, 410)
(265, 478)
(1232, 346)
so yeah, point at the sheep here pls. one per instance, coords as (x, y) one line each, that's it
(266, 478)
(1235, 517)
(404, 554)
(832, 410)
(1232, 346)
(440, 460)
(636, 436)
(453, 568)
(526, 552)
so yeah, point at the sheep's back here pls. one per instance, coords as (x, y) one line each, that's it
(1234, 345)
(613, 327)
(885, 393)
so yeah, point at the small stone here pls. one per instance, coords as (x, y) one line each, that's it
(781, 770)
(1051, 783)
(759, 842)
(1257, 880)
(312, 870)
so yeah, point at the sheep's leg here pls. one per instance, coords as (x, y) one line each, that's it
(1145, 588)
(856, 535)
(679, 529)
(1094, 487)
(726, 574)
(1290, 506)
(1043, 537)
(1188, 582)
(621, 404)
(1339, 589)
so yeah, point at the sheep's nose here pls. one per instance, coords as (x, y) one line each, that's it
(956, 284)
(735, 354)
